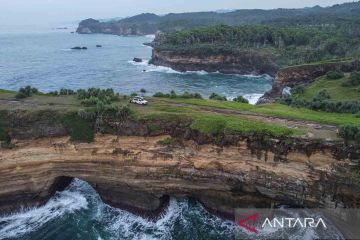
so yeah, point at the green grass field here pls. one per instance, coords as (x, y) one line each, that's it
(279, 110)
(334, 88)
(208, 116)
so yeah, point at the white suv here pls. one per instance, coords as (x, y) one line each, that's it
(139, 100)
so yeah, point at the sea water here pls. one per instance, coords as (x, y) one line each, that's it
(44, 60)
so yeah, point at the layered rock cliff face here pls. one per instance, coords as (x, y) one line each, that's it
(244, 63)
(304, 74)
(138, 173)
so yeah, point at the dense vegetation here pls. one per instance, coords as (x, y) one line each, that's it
(172, 94)
(4, 135)
(241, 99)
(63, 92)
(286, 45)
(346, 14)
(93, 96)
(25, 92)
(215, 96)
(79, 129)
(331, 93)
(350, 132)
(354, 80)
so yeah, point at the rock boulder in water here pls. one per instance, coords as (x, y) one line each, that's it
(79, 48)
(137, 60)
(98, 46)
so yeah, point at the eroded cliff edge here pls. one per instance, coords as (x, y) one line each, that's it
(305, 74)
(135, 171)
(245, 63)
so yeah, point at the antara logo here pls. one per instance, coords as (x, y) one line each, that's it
(252, 218)
(280, 223)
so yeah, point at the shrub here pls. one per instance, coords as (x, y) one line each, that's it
(322, 95)
(64, 91)
(87, 115)
(20, 95)
(161, 95)
(4, 135)
(94, 95)
(196, 95)
(350, 132)
(334, 74)
(91, 101)
(133, 94)
(154, 128)
(358, 114)
(79, 129)
(166, 141)
(323, 104)
(354, 80)
(185, 95)
(211, 125)
(25, 92)
(54, 93)
(241, 99)
(143, 90)
(215, 96)
(173, 94)
(300, 89)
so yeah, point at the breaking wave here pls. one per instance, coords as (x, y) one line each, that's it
(29, 220)
(80, 210)
(163, 69)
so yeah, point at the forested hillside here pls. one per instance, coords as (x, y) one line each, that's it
(288, 45)
(344, 14)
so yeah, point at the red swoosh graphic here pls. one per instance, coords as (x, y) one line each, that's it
(242, 222)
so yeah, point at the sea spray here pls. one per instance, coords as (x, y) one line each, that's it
(28, 220)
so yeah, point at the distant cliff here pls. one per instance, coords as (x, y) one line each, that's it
(245, 63)
(304, 74)
(121, 27)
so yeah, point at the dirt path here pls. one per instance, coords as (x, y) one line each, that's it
(314, 129)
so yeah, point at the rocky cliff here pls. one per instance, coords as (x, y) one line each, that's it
(244, 63)
(304, 74)
(139, 173)
(121, 28)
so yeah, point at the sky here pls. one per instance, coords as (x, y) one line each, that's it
(57, 12)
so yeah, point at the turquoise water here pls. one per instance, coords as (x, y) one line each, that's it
(44, 60)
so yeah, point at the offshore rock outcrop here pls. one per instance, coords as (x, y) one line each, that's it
(138, 173)
(304, 74)
(121, 28)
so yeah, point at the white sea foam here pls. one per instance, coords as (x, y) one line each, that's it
(163, 69)
(151, 36)
(253, 98)
(29, 220)
(130, 226)
(143, 63)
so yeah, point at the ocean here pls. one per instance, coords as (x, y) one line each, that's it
(44, 60)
